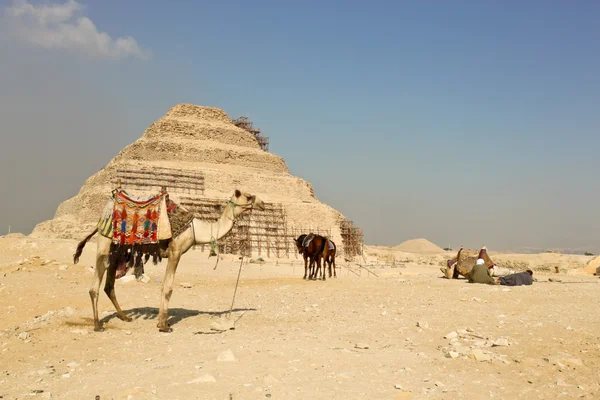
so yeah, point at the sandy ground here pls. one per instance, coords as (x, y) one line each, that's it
(405, 334)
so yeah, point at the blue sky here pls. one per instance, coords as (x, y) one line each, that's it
(464, 122)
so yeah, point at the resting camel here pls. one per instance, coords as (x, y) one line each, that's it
(198, 232)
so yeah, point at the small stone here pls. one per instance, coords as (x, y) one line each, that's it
(398, 386)
(205, 378)
(479, 355)
(270, 380)
(423, 325)
(500, 342)
(452, 354)
(46, 371)
(506, 290)
(439, 384)
(63, 267)
(185, 285)
(128, 332)
(226, 356)
(73, 365)
(148, 359)
(144, 279)
(580, 387)
(24, 335)
(451, 335)
(361, 346)
(67, 375)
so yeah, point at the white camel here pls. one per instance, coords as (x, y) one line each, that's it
(198, 232)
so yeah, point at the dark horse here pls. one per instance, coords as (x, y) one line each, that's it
(314, 250)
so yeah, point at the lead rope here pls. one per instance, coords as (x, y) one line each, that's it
(239, 272)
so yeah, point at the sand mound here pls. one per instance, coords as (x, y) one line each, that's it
(418, 246)
(592, 266)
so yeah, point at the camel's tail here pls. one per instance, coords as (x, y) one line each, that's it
(81, 245)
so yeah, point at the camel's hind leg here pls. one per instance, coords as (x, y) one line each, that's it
(94, 289)
(109, 289)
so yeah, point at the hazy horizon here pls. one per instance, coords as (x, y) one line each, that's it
(471, 123)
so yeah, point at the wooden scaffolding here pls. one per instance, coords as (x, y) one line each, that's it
(352, 239)
(247, 125)
(153, 179)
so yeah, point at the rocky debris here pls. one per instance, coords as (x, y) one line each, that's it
(451, 335)
(46, 371)
(204, 378)
(24, 335)
(185, 285)
(63, 267)
(46, 318)
(423, 325)
(226, 356)
(465, 343)
(270, 380)
(362, 346)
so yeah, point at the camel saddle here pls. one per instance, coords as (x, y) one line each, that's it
(140, 226)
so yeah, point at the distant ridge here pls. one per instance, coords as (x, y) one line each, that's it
(418, 246)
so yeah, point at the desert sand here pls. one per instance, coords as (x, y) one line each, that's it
(388, 330)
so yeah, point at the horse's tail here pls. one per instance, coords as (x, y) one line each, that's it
(81, 245)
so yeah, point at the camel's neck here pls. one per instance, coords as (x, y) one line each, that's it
(204, 231)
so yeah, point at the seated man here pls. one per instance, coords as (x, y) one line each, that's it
(521, 278)
(480, 274)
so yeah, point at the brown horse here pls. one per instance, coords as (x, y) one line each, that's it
(312, 247)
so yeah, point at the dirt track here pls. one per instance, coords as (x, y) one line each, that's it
(347, 338)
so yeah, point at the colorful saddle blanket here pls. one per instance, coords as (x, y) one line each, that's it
(135, 221)
(139, 227)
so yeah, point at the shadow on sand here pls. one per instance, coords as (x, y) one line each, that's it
(175, 314)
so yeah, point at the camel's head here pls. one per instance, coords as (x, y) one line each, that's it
(246, 201)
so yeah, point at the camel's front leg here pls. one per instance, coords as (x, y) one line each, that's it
(167, 291)
(94, 289)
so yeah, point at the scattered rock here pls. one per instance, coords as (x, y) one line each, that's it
(24, 335)
(226, 356)
(222, 324)
(423, 324)
(73, 365)
(63, 267)
(398, 386)
(451, 335)
(270, 380)
(361, 346)
(479, 355)
(46, 371)
(185, 285)
(205, 378)
(500, 342)
(452, 354)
